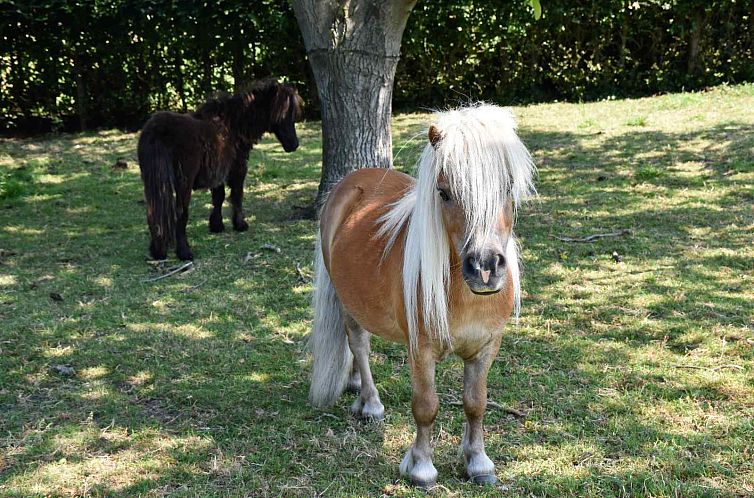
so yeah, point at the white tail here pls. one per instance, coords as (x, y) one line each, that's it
(328, 340)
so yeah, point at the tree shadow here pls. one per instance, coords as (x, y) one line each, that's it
(201, 378)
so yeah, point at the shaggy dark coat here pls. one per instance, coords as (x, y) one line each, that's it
(179, 153)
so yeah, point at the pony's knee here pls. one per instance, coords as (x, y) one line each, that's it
(425, 407)
(474, 405)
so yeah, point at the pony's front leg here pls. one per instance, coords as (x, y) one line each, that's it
(479, 467)
(236, 179)
(417, 463)
(216, 217)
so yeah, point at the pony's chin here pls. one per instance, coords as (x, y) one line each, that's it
(484, 291)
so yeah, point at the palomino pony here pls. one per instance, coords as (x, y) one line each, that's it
(179, 153)
(431, 263)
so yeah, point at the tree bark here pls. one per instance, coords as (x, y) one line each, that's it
(179, 79)
(237, 63)
(697, 26)
(353, 48)
(78, 71)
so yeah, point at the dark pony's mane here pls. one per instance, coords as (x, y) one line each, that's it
(247, 114)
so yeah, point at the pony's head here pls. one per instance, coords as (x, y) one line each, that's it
(478, 169)
(285, 110)
(471, 176)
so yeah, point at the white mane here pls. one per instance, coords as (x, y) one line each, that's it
(485, 164)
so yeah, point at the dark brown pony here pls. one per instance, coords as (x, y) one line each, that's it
(179, 153)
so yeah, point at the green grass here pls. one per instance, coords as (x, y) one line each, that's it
(637, 377)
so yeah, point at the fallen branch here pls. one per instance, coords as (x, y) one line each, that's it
(271, 247)
(198, 285)
(492, 404)
(178, 269)
(589, 238)
(711, 369)
(729, 365)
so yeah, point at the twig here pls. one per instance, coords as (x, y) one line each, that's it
(329, 415)
(492, 404)
(177, 269)
(713, 369)
(271, 247)
(729, 365)
(198, 285)
(302, 278)
(589, 238)
(507, 409)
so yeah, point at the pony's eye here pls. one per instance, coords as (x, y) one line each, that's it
(443, 194)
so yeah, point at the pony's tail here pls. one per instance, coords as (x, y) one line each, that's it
(328, 340)
(156, 166)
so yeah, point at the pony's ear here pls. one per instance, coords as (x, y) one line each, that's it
(247, 99)
(434, 135)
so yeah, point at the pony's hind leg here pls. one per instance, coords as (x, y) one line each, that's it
(236, 179)
(216, 216)
(417, 463)
(158, 250)
(182, 201)
(479, 467)
(368, 404)
(354, 380)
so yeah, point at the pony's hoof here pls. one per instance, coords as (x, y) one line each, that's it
(158, 256)
(426, 485)
(370, 411)
(240, 227)
(216, 227)
(422, 474)
(484, 480)
(185, 255)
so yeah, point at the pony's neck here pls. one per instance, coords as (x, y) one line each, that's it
(239, 120)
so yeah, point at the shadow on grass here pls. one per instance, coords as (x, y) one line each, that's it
(199, 382)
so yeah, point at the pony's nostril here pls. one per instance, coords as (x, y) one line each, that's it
(471, 265)
(499, 261)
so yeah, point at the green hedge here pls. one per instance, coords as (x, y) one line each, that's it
(111, 62)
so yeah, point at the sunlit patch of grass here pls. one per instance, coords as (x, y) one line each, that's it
(648, 172)
(635, 375)
(637, 121)
(586, 124)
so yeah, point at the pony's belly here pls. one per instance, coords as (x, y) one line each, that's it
(371, 308)
(210, 179)
(368, 285)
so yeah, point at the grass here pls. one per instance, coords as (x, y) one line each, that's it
(636, 377)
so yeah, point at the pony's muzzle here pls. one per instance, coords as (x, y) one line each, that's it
(290, 146)
(484, 274)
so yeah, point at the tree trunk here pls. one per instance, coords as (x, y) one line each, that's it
(78, 71)
(237, 63)
(179, 79)
(353, 48)
(697, 26)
